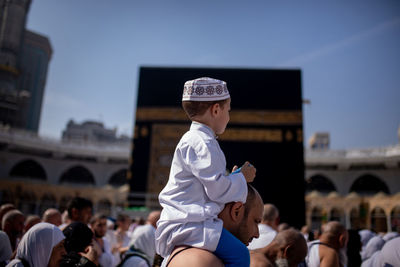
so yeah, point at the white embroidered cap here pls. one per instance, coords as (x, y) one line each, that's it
(205, 89)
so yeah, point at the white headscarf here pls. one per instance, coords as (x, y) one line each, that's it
(37, 244)
(143, 238)
(389, 236)
(374, 244)
(365, 236)
(5, 247)
(390, 253)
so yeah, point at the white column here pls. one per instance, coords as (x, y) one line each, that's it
(389, 223)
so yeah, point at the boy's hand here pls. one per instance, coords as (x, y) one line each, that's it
(249, 172)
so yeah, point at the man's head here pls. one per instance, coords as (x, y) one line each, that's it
(30, 221)
(242, 219)
(52, 216)
(123, 222)
(80, 210)
(335, 235)
(98, 223)
(4, 209)
(271, 216)
(153, 217)
(288, 248)
(13, 224)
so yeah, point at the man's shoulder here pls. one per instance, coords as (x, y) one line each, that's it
(328, 255)
(258, 259)
(194, 257)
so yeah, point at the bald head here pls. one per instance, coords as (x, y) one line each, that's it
(10, 217)
(153, 217)
(335, 234)
(52, 216)
(4, 209)
(289, 245)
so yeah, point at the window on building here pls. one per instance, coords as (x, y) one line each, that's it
(27, 203)
(369, 185)
(104, 207)
(118, 178)
(378, 220)
(395, 219)
(337, 215)
(28, 169)
(319, 183)
(46, 202)
(77, 175)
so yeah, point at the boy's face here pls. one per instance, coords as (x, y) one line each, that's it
(222, 118)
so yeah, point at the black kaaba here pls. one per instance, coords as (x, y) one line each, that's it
(265, 128)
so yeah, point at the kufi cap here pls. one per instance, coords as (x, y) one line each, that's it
(205, 89)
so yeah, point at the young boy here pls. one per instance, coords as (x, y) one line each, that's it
(198, 187)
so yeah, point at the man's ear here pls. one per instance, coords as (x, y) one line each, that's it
(237, 211)
(342, 240)
(287, 251)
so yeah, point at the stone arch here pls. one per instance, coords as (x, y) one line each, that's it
(319, 183)
(378, 220)
(27, 202)
(28, 169)
(395, 219)
(104, 206)
(118, 178)
(47, 201)
(338, 215)
(78, 175)
(369, 185)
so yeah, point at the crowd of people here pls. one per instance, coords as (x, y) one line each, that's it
(76, 238)
(209, 217)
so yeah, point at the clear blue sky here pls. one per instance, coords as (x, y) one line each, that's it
(348, 51)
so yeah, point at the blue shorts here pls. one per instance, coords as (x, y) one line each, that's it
(232, 251)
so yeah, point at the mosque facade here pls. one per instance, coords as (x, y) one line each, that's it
(359, 187)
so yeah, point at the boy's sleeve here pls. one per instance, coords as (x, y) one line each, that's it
(208, 164)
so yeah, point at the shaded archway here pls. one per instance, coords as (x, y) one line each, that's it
(369, 185)
(317, 217)
(27, 203)
(28, 169)
(77, 175)
(63, 205)
(337, 215)
(104, 207)
(118, 178)
(355, 219)
(319, 183)
(46, 202)
(378, 220)
(395, 219)
(6, 197)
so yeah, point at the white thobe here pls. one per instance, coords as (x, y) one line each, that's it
(196, 193)
(267, 234)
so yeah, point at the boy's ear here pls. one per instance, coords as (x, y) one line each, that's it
(215, 109)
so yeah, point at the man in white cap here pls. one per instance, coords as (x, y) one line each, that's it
(198, 187)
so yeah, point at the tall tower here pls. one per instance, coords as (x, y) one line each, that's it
(12, 25)
(33, 63)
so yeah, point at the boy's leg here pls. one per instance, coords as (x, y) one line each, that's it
(232, 251)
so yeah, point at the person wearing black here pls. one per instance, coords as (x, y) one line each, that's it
(81, 250)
